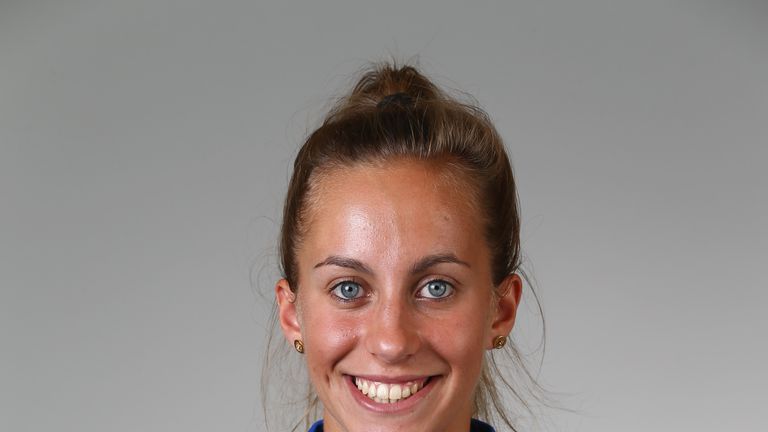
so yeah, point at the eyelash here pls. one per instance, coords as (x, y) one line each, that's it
(450, 290)
(341, 299)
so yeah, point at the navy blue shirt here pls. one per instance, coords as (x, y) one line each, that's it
(475, 426)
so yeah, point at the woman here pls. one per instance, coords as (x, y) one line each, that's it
(400, 251)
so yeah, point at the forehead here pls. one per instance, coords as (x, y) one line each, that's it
(394, 211)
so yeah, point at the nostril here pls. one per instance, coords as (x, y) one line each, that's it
(394, 349)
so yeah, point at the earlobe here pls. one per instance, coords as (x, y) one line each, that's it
(509, 293)
(286, 309)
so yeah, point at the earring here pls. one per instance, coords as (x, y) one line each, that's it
(499, 342)
(299, 345)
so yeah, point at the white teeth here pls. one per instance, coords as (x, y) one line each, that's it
(382, 391)
(395, 392)
(388, 393)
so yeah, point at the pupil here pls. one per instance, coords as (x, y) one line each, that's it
(436, 289)
(349, 290)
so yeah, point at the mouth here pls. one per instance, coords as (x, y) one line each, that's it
(390, 394)
(382, 392)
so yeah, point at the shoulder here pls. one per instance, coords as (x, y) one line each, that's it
(479, 426)
(475, 426)
(316, 426)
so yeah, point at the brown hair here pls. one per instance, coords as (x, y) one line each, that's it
(397, 113)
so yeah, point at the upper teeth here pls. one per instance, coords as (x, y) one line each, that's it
(388, 393)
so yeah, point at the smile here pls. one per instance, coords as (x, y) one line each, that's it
(389, 392)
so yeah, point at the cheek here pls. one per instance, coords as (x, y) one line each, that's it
(460, 339)
(328, 337)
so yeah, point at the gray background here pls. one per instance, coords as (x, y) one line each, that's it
(145, 148)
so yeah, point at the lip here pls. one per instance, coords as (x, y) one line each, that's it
(392, 380)
(408, 404)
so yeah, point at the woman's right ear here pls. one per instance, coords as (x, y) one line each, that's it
(286, 309)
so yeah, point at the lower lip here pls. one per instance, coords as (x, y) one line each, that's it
(395, 407)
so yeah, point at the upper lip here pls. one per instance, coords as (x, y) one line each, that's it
(392, 379)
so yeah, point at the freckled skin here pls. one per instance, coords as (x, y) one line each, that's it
(388, 218)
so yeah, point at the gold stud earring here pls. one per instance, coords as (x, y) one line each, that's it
(299, 345)
(499, 342)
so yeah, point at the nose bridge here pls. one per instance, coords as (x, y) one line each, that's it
(392, 335)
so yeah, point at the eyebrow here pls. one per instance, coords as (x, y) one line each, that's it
(419, 267)
(345, 262)
(431, 260)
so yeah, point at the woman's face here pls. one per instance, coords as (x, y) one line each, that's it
(395, 302)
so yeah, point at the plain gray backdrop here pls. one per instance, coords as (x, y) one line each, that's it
(145, 147)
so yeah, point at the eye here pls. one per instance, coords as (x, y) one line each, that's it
(348, 290)
(436, 289)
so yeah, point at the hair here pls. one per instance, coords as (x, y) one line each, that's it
(395, 113)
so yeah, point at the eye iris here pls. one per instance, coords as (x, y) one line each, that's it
(436, 289)
(349, 290)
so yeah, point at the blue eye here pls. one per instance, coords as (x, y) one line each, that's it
(348, 290)
(436, 289)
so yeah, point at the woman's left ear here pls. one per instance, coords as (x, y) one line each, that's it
(506, 301)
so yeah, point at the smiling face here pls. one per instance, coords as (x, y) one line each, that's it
(395, 301)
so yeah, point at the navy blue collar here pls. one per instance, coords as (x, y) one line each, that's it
(475, 426)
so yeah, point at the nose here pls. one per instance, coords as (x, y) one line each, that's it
(392, 335)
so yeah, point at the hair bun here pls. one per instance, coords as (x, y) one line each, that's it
(401, 99)
(386, 86)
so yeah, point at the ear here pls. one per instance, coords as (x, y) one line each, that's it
(286, 309)
(506, 302)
